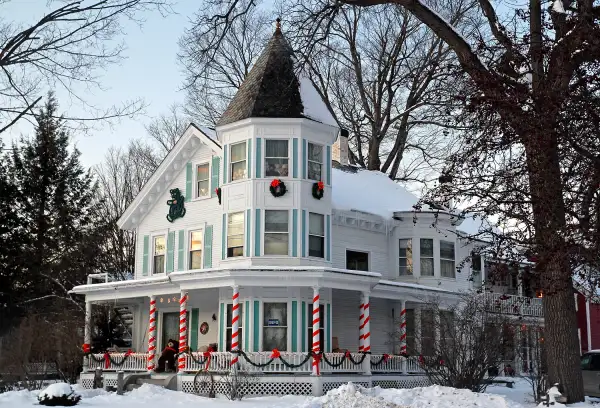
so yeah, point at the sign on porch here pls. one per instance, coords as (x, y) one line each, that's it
(273, 322)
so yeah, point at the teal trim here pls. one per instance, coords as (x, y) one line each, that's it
(249, 155)
(304, 158)
(304, 328)
(224, 237)
(248, 231)
(258, 157)
(170, 251)
(145, 258)
(256, 325)
(295, 157)
(194, 330)
(328, 329)
(294, 232)
(303, 229)
(208, 246)
(225, 163)
(328, 237)
(257, 233)
(189, 185)
(214, 176)
(294, 326)
(181, 250)
(222, 327)
(247, 326)
(328, 164)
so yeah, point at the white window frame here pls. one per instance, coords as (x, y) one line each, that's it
(412, 257)
(264, 228)
(244, 232)
(164, 235)
(196, 181)
(288, 322)
(322, 236)
(448, 259)
(189, 249)
(245, 160)
(432, 257)
(362, 251)
(312, 161)
(288, 157)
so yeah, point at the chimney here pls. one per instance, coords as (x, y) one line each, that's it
(339, 150)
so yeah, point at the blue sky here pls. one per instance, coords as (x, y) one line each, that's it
(150, 71)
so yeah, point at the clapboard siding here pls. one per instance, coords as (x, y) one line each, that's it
(348, 238)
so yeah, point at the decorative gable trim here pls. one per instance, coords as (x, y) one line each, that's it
(175, 162)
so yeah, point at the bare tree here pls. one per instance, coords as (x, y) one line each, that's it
(66, 48)
(166, 129)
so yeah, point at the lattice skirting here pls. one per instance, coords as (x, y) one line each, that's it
(408, 382)
(257, 386)
(86, 381)
(328, 386)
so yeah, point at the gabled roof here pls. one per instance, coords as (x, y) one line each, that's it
(173, 163)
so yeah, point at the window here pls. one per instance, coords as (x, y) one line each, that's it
(238, 161)
(357, 261)
(476, 270)
(229, 326)
(315, 161)
(275, 326)
(426, 257)
(410, 332)
(235, 235)
(406, 267)
(276, 232)
(203, 180)
(321, 326)
(195, 250)
(447, 267)
(316, 235)
(427, 333)
(160, 249)
(276, 158)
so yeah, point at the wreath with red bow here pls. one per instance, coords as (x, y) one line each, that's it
(318, 190)
(277, 188)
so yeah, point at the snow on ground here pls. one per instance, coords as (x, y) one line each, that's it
(347, 396)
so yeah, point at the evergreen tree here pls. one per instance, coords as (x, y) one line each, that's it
(57, 201)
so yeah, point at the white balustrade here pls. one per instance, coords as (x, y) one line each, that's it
(134, 362)
(347, 366)
(512, 304)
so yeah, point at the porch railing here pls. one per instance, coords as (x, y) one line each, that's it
(134, 362)
(513, 305)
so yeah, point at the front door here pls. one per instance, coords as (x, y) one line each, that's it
(170, 328)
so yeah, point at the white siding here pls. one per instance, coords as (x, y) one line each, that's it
(348, 238)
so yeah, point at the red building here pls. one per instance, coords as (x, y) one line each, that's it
(588, 322)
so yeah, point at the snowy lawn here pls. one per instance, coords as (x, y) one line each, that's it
(347, 396)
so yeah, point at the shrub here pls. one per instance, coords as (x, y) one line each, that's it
(59, 395)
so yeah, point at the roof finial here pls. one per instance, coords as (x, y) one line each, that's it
(278, 25)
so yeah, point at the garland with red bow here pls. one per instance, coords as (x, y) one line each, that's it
(277, 188)
(218, 192)
(107, 359)
(318, 189)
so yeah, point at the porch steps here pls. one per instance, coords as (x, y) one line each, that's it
(168, 381)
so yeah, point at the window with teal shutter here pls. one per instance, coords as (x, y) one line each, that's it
(303, 232)
(189, 185)
(304, 158)
(214, 179)
(208, 240)
(258, 157)
(194, 330)
(225, 164)
(145, 257)
(170, 251)
(295, 158)
(328, 164)
(249, 153)
(328, 237)
(181, 251)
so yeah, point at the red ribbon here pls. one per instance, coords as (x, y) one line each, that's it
(86, 348)
(275, 354)
(320, 185)
(421, 359)
(106, 361)
(207, 357)
(317, 362)
(275, 183)
(386, 357)
(129, 352)
(347, 354)
(441, 362)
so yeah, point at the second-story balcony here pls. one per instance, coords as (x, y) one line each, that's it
(513, 304)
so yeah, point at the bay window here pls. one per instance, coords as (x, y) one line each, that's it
(276, 232)
(316, 235)
(447, 266)
(235, 235)
(238, 161)
(426, 248)
(276, 158)
(315, 161)
(275, 327)
(405, 261)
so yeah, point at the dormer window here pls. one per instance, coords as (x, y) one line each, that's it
(203, 180)
(238, 161)
(315, 161)
(426, 248)
(276, 158)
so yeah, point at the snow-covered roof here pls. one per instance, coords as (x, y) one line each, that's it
(314, 107)
(369, 191)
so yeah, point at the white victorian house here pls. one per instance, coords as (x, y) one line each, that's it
(340, 262)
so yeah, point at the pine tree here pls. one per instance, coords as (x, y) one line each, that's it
(57, 201)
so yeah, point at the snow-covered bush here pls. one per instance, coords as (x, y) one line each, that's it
(59, 395)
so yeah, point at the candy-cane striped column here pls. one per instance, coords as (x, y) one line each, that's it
(182, 329)
(235, 325)
(366, 324)
(403, 328)
(316, 337)
(361, 333)
(152, 335)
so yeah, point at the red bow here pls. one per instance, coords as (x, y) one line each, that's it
(275, 183)
(216, 190)
(441, 362)
(106, 361)
(347, 354)
(421, 360)
(317, 362)
(129, 352)
(275, 354)
(86, 348)
(207, 357)
(386, 357)
(320, 185)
